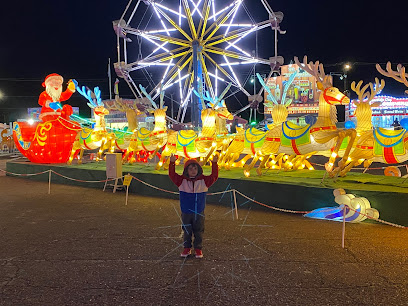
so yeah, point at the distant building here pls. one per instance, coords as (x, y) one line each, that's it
(302, 93)
(390, 110)
(34, 112)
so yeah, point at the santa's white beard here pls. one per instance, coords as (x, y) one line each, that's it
(54, 94)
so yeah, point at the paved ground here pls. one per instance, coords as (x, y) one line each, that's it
(82, 246)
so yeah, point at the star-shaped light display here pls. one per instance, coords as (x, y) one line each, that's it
(205, 29)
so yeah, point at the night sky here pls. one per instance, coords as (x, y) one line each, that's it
(75, 39)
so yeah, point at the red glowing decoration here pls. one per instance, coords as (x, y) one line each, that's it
(46, 142)
(51, 97)
(49, 141)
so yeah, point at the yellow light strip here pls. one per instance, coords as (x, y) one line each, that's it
(163, 54)
(204, 20)
(220, 68)
(228, 53)
(238, 33)
(189, 19)
(221, 20)
(180, 68)
(174, 24)
(172, 40)
(170, 72)
(174, 56)
(157, 36)
(221, 38)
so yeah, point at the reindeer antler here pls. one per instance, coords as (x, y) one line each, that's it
(120, 105)
(367, 97)
(220, 97)
(315, 69)
(93, 97)
(398, 75)
(376, 89)
(285, 90)
(148, 96)
(270, 95)
(362, 95)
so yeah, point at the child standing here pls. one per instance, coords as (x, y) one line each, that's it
(193, 187)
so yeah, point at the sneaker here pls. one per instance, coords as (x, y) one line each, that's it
(186, 252)
(199, 253)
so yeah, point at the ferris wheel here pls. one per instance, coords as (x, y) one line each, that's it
(193, 44)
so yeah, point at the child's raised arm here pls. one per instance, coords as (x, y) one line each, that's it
(213, 177)
(176, 178)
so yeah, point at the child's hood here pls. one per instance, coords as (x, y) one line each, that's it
(190, 162)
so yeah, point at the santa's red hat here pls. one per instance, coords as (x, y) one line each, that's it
(49, 76)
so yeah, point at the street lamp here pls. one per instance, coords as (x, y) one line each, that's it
(341, 110)
(346, 68)
(343, 77)
(254, 105)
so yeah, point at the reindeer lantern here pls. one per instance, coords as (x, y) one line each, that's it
(322, 136)
(255, 143)
(378, 144)
(143, 139)
(188, 143)
(98, 137)
(124, 137)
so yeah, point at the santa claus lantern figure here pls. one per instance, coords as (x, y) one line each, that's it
(52, 96)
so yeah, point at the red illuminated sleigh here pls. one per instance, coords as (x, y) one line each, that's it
(46, 142)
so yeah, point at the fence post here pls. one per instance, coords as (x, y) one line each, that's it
(49, 181)
(127, 179)
(127, 195)
(344, 227)
(235, 202)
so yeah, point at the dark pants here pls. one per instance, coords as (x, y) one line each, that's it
(193, 224)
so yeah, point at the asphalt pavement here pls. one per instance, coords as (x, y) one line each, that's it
(83, 246)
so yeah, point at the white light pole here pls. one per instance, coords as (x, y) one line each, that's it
(346, 68)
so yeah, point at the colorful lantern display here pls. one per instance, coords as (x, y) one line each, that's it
(300, 142)
(149, 141)
(98, 136)
(352, 208)
(49, 141)
(252, 140)
(46, 142)
(50, 99)
(190, 144)
(5, 140)
(378, 144)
